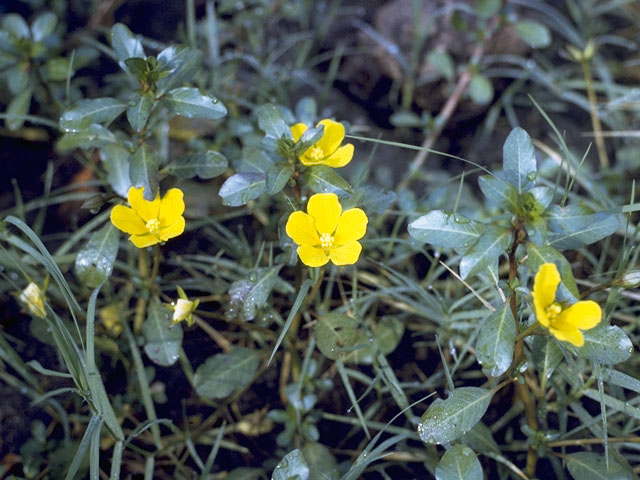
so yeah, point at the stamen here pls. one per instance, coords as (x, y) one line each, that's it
(315, 153)
(326, 240)
(553, 310)
(153, 225)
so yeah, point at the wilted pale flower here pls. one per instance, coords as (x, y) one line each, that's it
(150, 222)
(564, 323)
(327, 151)
(183, 308)
(32, 297)
(326, 232)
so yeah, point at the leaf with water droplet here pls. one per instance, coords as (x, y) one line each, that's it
(442, 229)
(495, 344)
(593, 466)
(292, 467)
(242, 187)
(519, 159)
(323, 179)
(446, 420)
(259, 293)
(459, 463)
(162, 340)
(606, 344)
(94, 262)
(194, 103)
(336, 332)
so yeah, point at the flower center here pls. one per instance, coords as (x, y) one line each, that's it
(315, 153)
(153, 225)
(326, 240)
(553, 310)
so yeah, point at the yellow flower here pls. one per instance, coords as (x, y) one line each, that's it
(32, 297)
(110, 317)
(328, 150)
(326, 232)
(563, 323)
(150, 222)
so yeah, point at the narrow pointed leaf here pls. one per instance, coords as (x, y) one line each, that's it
(84, 112)
(143, 171)
(138, 111)
(484, 255)
(162, 340)
(241, 188)
(323, 179)
(495, 344)
(223, 374)
(519, 160)
(443, 229)
(194, 103)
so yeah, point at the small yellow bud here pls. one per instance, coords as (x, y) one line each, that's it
(183, 310)
(31, 296)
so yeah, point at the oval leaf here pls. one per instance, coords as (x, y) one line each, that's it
(592, 466)
(519, 160)
(241, 188)
(442, 229)
(223, 374)
(292, 467)
(278, 176)
(139, 110)
(124, 43)
(334, 332)
(484, 255)
(323, 179)
(459, 463)
(94, 136)
(205, 165)
(143, 171)
(84, 112)
(115, 159)
(606, 344)
(16, 110)
(162, 341)
(259, 293)
(194, 103)
(446, 420)
(535, 34)
(94, 262)
(496, 341)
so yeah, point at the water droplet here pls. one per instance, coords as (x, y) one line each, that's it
(531, 176)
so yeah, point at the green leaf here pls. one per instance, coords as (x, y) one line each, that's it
(83, 113)
(443, 229)
(194, 103)
(292, 467)
(443, 63)
(310, 137)
(124, 43)
(183, 63)
(387, 334)
(94, 136)
(606, 344)
(162, 341)
(480, 89)
(494, 347)
(272, 123)
(546, 354)
(259, 293)
(519, 160)
(94, 262)
(16, 110)
(278, 176)
(499, 192)
(115, 159)
(241, 188)
(143, 171)
(593, 466)
(480, 439)
(254, 160)
(580, 231)
(15, 25)
(535, 34)
(138, 111)
(459, 463)
(223, 374)
(446, 420)
(539, 254)
(484, 255)
(488, 8)
(336, 332)
(43, 26)
(374, 200)
(322, 464)
(205, 165)
(323, 179)
(57, 69)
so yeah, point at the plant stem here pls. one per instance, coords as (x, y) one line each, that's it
(593, 110)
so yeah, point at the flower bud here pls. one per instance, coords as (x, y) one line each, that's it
(31, 296)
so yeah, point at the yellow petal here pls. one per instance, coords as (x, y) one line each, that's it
(297, 130)
(142, 241)
(583, 315)
(302, 229)
(567, 333)
(126, 219)
(171, 207)
(545, 285)
(144, 208)
(346, 254)
(173, 230)
(340, 157)
(332, 136)
(352, 226)
(325, 209)
(312, 256)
